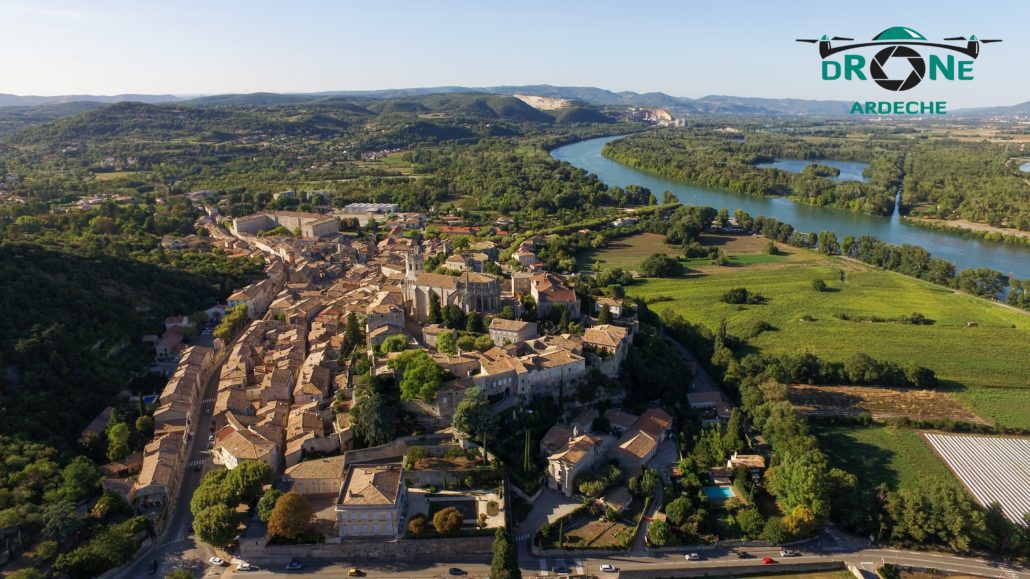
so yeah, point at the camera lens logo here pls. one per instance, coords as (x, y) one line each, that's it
(901, 53)
(899, 44)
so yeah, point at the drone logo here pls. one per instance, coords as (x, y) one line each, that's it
(897, 43)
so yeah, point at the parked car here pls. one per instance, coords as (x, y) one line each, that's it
(789, 553)
(606, 568)
(245, 566)
(744, 555)
(216, 561)
(355, 573)
(294, 565)
(561, 570)
(456, 572)
(768, 561)
(693, 557)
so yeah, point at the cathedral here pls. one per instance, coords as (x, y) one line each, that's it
(472, 292)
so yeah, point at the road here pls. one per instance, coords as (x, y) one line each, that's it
(824, 551)
(175, 547)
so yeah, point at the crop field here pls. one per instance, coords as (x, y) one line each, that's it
(898, 457)
(983, 365)
(992, 468)
(881, 403)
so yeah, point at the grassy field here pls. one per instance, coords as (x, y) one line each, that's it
(986, 367)
(876, 454)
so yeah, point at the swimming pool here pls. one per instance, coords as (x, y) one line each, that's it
(718, 493)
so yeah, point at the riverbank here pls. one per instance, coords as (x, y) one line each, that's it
(981, 230)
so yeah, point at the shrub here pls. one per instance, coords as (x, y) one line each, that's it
(660, 265)
(818, 285)
(417, 525)
(447, 521)
(741, 296)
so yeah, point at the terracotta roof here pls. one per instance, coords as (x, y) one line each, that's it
(437, 280)
(620, 419)
(605, 336)
(320, 468)
(576, 450)
(653, 422)
(557, 436)
(244, 444)
(508, 325)
(638, 443)
(372, 485)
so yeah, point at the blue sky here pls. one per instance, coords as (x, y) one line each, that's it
(681, 48)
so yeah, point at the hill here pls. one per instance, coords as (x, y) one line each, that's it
(12, 100)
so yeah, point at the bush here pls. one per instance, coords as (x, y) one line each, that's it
(741, 296)
(447, 521)
(818, 285)
(775, 531)
(417, 525)
(660, 265)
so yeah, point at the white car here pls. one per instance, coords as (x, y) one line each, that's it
(244, 566)
(693, 557)
(606, 568)
(789, 553)
(216, 561)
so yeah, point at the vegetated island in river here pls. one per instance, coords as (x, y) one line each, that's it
(939, 177)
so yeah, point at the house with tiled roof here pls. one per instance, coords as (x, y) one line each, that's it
(548, 291)
(316, 477)
(641, 440)
(578, 455)
(235, 444)
(608, 346)
(511, 331)
(160, 470)
(372, 501)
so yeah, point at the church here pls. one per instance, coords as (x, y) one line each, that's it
(472, 292)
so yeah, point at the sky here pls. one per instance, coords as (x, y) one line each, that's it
(692, 49)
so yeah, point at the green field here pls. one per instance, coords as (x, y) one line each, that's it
(877, 454)
(985, 366)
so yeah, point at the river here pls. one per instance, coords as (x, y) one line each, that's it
(962, 250)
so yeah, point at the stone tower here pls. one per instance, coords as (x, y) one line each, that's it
(412, 264)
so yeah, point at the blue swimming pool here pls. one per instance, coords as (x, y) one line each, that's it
(718, 493)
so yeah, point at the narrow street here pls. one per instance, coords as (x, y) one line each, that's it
(175, 547)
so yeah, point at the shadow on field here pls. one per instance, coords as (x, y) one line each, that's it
(869, 463)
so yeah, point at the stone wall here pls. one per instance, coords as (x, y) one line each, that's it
(373, 550)
(730, 571)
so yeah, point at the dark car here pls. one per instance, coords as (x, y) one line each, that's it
(294, 565)
(561, 570)
(153, 567)
(456, 572)
(744, 555)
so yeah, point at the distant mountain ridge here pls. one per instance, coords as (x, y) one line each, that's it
(583, 95)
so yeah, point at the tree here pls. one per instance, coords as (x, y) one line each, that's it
(435, 315)
(775, 531)
(733, 438)
(417, 525)
(447, 342)
(668, 198)
(659, 534)
(505, 563)
(145, 426)
(118, 441)
(506, 313)
(660, 265)
(474, 323)
(983, 282)
(801, 480)
(828, 243)
(80, 479)
(216, 525)
(61, 521)
(414, 455)
(246, 480)
(396, 343)
(605, 317)
(352, 335)
(267, 503)
(648, 482)
(420, 378)
(750, 522)
(375, 417)
(679, 510)
(447, 521)
(801, 522)
(453, 317)
(473, 416)
(291, 516)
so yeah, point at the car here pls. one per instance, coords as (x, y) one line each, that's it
(789, 553)
(606, 568)
(153, 567)
(216, 561)
(768, 561)
(456, 572)
(245, 566)
(744, 555)
(294, 565)
(196, 468)
(693, 557)
(355, 573)
(561, 570)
